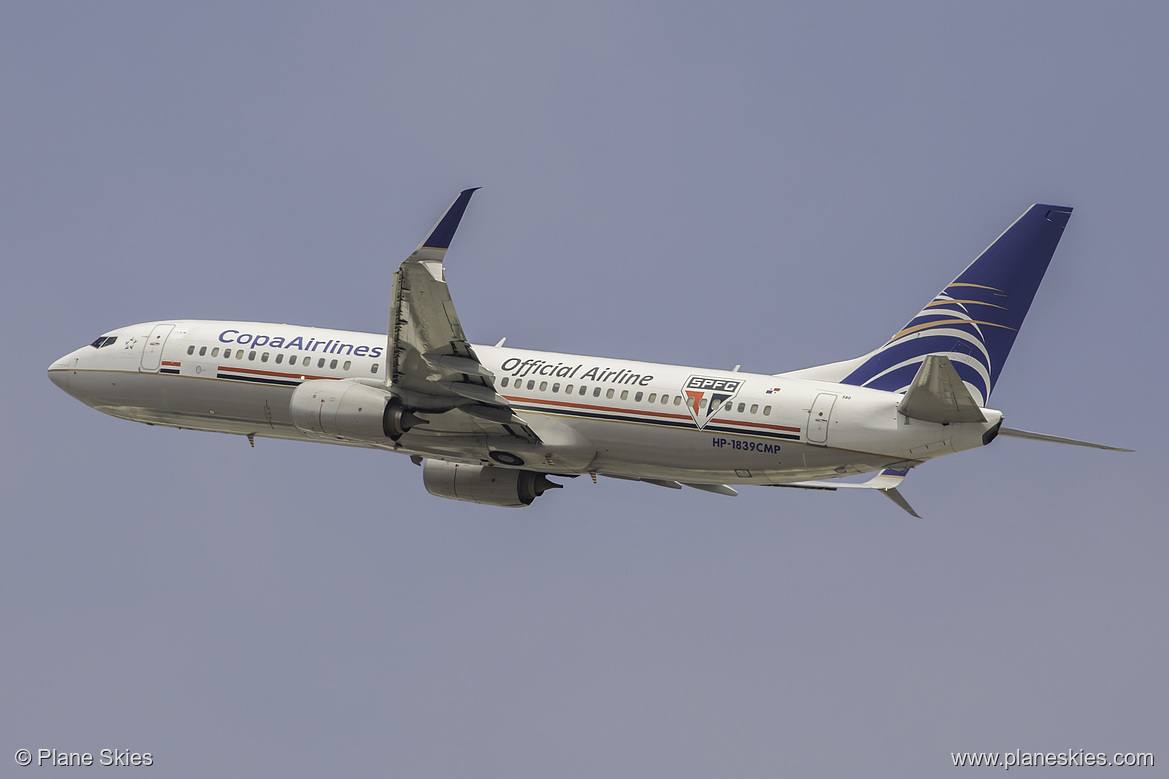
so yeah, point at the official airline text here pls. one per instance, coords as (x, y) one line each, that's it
(520, 368)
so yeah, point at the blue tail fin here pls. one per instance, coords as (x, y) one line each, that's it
(975, 319)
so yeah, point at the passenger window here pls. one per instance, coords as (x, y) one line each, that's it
(702, 403)
(677, 400)
(583, 389)
(625, 394)
(767, 411)
(556, 387)
(251, 355)
(742, 407)
(754, 408)
(348, 364)
(568, 389)
(332, 364)
(264, 357)
(653, 397)
(279, 358)
(374, 368)
(543, 386)
(596, 392)
(608, 393)
(728, 406)
(321, 363)
(215, 352)
(531, 384)
(202, 351)
(191, 349)
(503, 383)
(226, 354)
(638, 396)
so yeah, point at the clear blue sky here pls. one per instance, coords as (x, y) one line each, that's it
(709, 184)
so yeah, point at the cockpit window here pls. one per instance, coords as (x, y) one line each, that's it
(105, 340)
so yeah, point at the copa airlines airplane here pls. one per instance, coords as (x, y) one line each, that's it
(489, 424)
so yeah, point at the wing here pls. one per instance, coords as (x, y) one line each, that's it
(432, 368)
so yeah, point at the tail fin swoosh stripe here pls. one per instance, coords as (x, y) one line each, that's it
(953, 301)
(940, 322)
(900, 376)
(976, 286)
(963, 348)
(1000, 284)
(975, 371)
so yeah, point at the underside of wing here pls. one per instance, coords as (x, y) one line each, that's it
(433, 370)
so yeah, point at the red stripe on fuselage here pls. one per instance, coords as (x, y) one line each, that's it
(655, 414)
(305, 377)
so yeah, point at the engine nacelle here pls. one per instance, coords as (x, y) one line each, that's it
(484, 483)
(349, 410)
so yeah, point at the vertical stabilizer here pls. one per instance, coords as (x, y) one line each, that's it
(975, 319)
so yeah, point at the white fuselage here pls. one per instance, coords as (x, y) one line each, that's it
(616, 417)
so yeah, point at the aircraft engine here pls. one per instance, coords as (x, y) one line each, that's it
(484, 483)
(349, 410)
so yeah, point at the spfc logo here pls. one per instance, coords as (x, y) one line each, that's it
(706, 396)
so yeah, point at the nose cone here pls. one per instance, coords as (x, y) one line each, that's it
(61, 370)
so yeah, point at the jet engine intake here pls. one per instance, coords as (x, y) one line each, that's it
(350, 411)
(484, 483)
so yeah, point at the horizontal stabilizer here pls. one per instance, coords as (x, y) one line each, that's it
(1051, 439)
(938, 394)
(886, 481)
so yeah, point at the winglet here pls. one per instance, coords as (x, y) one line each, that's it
(438, 240)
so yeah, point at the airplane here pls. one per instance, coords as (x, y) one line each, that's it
(491, 424)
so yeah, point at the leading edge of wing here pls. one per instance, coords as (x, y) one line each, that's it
(431, 365)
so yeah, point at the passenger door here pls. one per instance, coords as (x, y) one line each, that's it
(152, 352)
